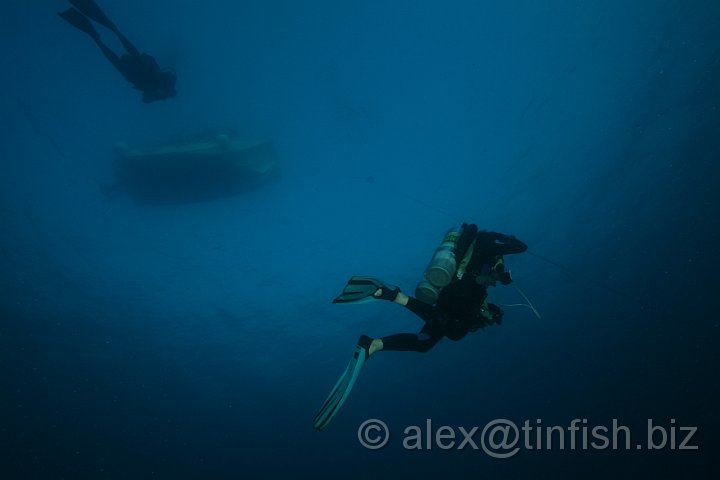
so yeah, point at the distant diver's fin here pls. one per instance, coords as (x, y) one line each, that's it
(79, 21)
(362, 289)
(91, 10)
(344, 385)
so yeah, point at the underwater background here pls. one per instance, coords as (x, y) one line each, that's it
(199, 340)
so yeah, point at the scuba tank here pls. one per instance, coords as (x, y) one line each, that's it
(441, 269)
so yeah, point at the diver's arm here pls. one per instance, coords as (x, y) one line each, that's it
(507, 244)
(422, 310)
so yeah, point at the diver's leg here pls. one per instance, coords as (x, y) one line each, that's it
(421, 309)
(79, 21)
(93, 11)
(407, 342)
(111, 56)
(126, 43)
(420, 342)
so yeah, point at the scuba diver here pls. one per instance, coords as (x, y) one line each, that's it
(140, 69)
(451, 300)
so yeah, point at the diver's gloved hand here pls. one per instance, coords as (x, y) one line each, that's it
(387, 293)
(493, 315)
(504, 276)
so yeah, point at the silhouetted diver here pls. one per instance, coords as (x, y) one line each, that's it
(140, 69)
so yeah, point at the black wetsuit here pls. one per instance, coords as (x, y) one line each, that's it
(140, 69)
(143, 71)
(460, 306)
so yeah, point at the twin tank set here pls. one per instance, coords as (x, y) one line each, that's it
(443, 267)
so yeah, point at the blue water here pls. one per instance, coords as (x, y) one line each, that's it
(198, 340)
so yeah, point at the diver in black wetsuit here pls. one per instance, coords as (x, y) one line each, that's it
(140, 69)
(462, 305)
(466, 264)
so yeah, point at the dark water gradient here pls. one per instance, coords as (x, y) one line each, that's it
(198, 341)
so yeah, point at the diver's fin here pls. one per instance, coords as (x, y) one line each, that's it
(344, 385)
(362, 289)
(91, 10)
(79, 21)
